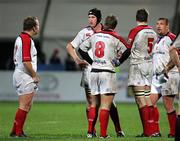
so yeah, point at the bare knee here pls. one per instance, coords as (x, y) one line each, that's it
(154, 98)
(168, 103)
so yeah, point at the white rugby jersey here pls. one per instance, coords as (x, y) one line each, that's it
(105, 45)
(24, 50)
(141, 40)
(161, 52)
(82, 35)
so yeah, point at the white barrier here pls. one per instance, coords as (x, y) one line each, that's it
(59, 86)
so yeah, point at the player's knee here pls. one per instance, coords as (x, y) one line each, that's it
(24, 107)
(105, 106)
(140, 101)
(169, 107)
(154, 98)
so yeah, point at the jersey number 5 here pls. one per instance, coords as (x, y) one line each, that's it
(150, 44)
(99, 51)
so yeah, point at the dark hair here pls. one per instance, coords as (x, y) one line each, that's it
(111, 22)
(164, 19)
(96, 12)
(29, 23)
(142, 15)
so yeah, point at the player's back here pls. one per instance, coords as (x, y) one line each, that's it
(142, 39)
(105, 46)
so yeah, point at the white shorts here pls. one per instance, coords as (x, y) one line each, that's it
(85, 79)
(103, 83)
(140, 74)
(168, 88)
(23, 83)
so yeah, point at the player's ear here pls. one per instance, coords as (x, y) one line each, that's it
(34, 29)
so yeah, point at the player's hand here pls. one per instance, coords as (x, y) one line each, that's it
(81, 63)
(115, 62)
(162, 78)
(36, 79)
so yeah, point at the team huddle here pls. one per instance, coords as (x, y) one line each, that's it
(98, 49)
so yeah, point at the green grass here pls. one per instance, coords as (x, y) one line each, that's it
(67, 122)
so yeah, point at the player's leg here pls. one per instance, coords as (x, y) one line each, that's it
(94, 105)
(168, 102)
(106, 101)
(137, 81)
(93, 113)
(26, 91)
(154, 98)
(142, 106)
(85, 83)
(169, 90)
(88, 100)
(150, 110)
(25, 102)
(115, 118)
(107, 89)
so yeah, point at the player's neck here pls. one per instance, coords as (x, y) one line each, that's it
(142, 23)
(98, 27)
(30, 33)
(164, 34)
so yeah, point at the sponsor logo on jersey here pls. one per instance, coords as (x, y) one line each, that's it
(88, 34)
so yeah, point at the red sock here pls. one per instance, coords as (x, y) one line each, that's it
(151, 120)
(145, 116)
(141, 118)
(172, 122)
(115, 118)
(19, 120)
(156, 120)
(87, 112)
(103, 119)
(14, 128)
(92, 117)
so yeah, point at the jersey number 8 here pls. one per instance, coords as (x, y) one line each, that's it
(99, 51)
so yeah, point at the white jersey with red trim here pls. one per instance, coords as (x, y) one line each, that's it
(82, 35)
(161, 52)
(105, 45)
(141, 39)
(24, 50)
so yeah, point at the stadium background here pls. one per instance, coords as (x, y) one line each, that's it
(60, 21)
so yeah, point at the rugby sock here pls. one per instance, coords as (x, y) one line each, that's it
(177, 135)
(151, 120)
(87, 112)
(103, 119)
(141, 118)
(13, 131)
(20, 119)
(92, 117)
(115, 117)
(156, 120)
(172, 121)
(144, 114)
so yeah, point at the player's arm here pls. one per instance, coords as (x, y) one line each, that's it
(85, 56)
(175, 61)
(124, 56)
(72, 52)
(31, 71)
(83, 50)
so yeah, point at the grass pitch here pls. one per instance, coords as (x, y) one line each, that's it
(67, 122)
